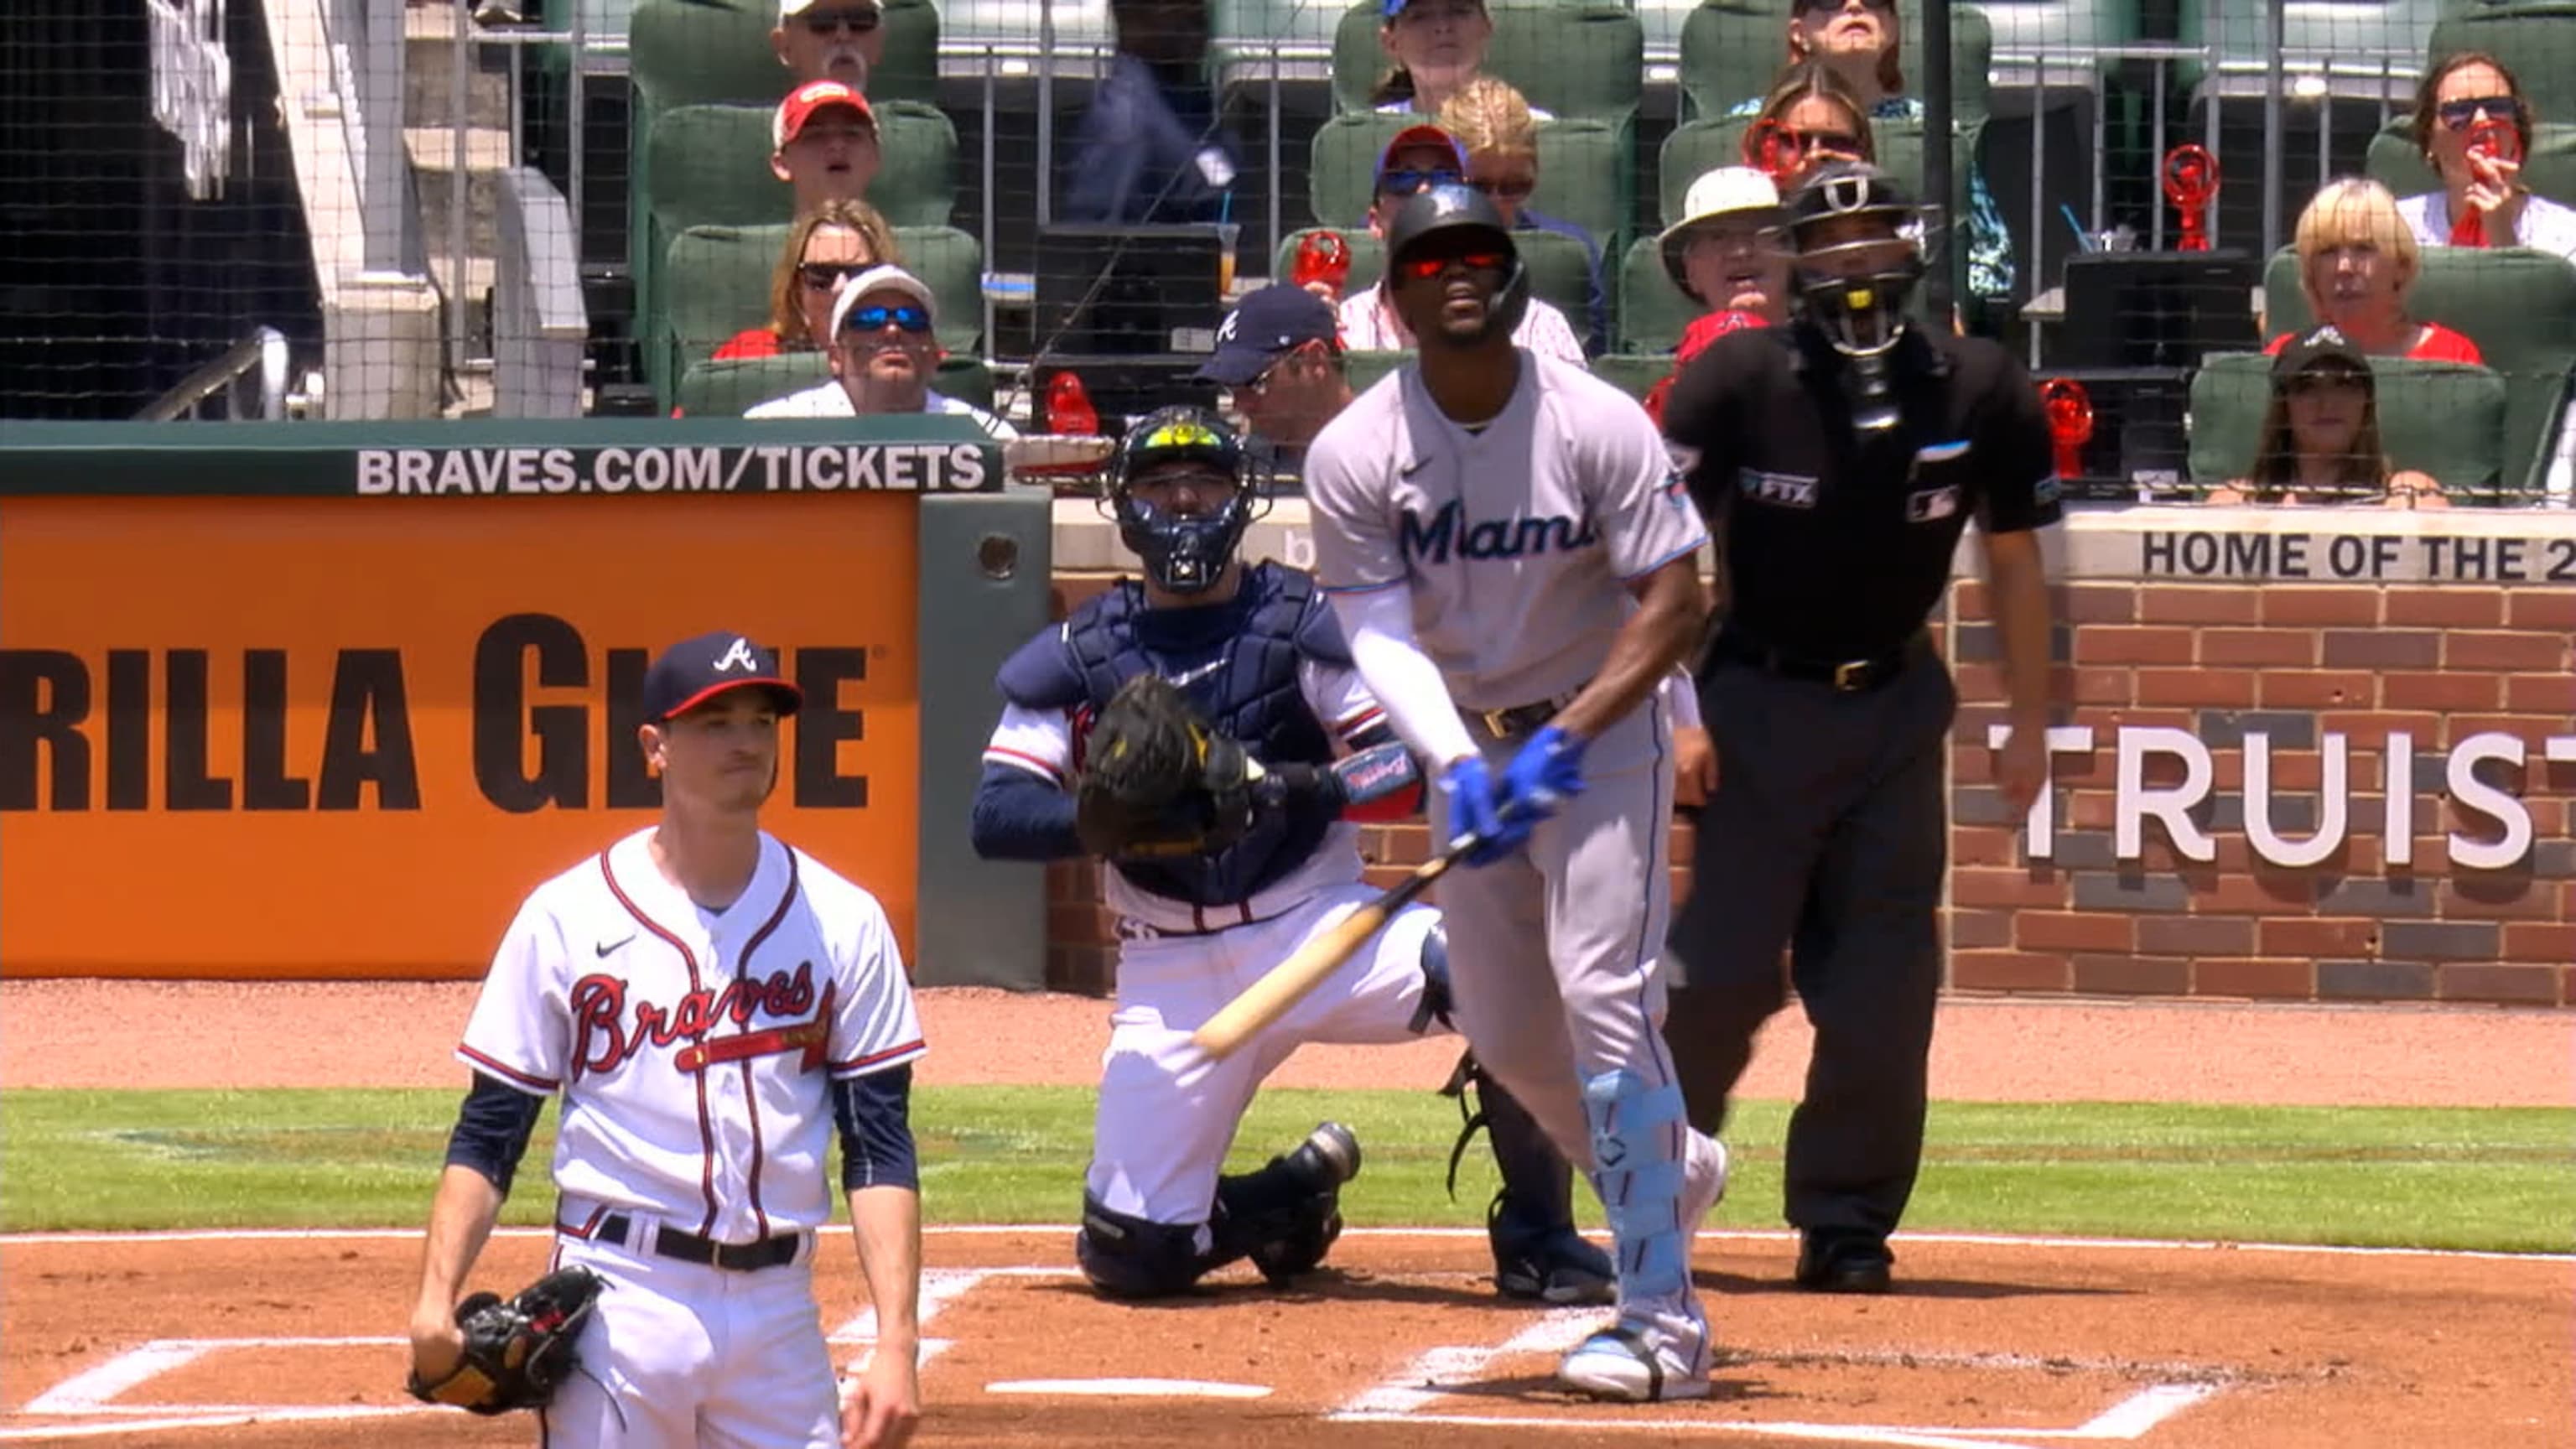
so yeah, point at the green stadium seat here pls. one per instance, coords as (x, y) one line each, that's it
(1633, 373)
(716, 52)
(1368, 258)
(728, 389)
(1572, 58)
(1653, 313)
(717, 283)
(2442, 418)
(1584, 171)
(1365, 368)
(2550, 169)
(2536, 39)
(1733, 49)
(2518, 306)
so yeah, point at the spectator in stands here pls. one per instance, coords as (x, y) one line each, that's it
(1151, 148)
(841, 40)
(1860, 40)
(1493, 125)
(825, 248)
(1725, 252)
(883, 355)
(2463, 93)
(1809, 118)
(2321, 435)
(1418, 157)
(825, 140)
(2357, 261)
(1279, 352)
(1437, 46)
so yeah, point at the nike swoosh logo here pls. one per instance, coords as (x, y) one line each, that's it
(605, 947)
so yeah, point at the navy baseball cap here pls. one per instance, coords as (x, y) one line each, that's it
(1267, 324)
(694, 671)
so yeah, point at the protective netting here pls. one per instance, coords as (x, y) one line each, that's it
(365, 208)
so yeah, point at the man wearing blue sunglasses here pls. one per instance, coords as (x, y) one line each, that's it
(884, 353)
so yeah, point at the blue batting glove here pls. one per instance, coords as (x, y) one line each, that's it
(1546, 773)
(1473, 810)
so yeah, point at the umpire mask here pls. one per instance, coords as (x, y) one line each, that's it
(1184, 552)
(1857, 243)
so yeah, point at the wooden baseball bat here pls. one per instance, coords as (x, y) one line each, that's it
(1287, 983)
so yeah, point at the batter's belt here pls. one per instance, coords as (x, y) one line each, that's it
(1519, 719)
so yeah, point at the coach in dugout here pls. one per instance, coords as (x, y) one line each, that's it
(883, 355)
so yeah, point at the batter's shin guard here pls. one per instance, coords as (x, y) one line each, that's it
(1638, 1141)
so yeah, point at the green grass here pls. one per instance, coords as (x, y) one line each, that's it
(2493, 1179)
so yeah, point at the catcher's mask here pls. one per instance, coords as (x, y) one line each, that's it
(1184, 553)
(1856, 240)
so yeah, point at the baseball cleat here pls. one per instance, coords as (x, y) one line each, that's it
(1844, 1263)
(1558, 1266)
(1329, 1157)
(1622, 1365)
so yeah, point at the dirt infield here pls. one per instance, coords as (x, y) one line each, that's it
(189, 1341)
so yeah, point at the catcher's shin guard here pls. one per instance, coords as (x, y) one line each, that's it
(1129, 1257)
(1530, 1223)
(1286, 1216)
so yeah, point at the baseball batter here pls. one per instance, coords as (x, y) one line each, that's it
(1214, 886)
(710, 1003)
(1502, 535)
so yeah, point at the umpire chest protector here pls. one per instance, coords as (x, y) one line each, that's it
(1239, 663)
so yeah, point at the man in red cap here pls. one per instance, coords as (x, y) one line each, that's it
(825, 144)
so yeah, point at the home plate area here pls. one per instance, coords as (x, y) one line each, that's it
(1991, 1343)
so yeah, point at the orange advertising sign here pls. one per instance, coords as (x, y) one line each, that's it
(312, 738)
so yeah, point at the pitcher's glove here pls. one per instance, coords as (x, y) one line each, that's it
(1158, 779)
(516, 1352)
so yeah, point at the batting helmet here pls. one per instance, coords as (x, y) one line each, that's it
(1453, 206)
(1183, 553)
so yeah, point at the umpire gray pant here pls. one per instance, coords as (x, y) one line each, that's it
(1827, 835)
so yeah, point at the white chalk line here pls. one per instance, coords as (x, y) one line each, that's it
(977, 1230)
(2127, 1420)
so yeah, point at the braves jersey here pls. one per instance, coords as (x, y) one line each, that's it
(1517, 537)
(692, 1047)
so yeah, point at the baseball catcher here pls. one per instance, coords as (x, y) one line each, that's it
(515, 1351)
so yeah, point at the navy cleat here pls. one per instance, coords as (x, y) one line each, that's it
(1554, 1265)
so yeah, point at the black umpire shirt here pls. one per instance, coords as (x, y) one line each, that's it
(1838, 547)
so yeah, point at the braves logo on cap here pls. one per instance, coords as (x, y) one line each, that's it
(740, 656)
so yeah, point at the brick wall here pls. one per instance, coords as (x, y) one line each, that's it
(2296, 661)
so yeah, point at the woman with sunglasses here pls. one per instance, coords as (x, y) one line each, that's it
(1809, 118)
(2321, 435)
(1860, 41)
(1496, 127)
(826, 247)
(2464, 108)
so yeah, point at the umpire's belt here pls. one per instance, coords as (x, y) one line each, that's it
(670, 1242)
(1520, 719)
(1846, 676)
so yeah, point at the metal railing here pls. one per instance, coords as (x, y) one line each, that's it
(263, 352)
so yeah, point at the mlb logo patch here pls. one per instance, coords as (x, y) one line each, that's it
(1931, 504)
(1789, 490)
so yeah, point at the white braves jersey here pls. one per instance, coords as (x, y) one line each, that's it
(1043, 743)
(1518, 538)
(692, 1047)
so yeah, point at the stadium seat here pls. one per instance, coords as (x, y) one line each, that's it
(1653, 313)
(1368, 258)
(731, 388)
(718, 284)
(1242, 32)
(2443, 418)
(1584, 171)
(2518, 306)
(1732, 49)
(1365, 368)
(2536, 39)
(1633, 373)
(2550, 169)
(1572, 58)
(715, 52)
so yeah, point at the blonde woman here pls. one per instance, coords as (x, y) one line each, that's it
(2321, 435)
(2357, 262)
(1499, 132)
(825, 247)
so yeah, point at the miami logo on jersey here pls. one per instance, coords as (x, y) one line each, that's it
(606, 1034)
(1448, 532)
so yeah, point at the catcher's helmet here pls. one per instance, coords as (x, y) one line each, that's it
(1453, 206)
(1860, 308)
(1183, 553)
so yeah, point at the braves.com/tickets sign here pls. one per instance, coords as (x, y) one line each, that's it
(277, 737)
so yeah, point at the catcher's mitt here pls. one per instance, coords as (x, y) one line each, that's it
(1158, 779)
(516, 1352)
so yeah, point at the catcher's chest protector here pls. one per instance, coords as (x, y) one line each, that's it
(1238, 663)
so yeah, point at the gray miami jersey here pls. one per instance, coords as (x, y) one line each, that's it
(1517, 538)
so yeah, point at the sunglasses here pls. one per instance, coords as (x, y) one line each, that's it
(1827, 7)
(826, 276)
(1422, 269)
(906, 318)
(2460, 114)
(857, 22)
(1407, 182)
(1516, 189)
